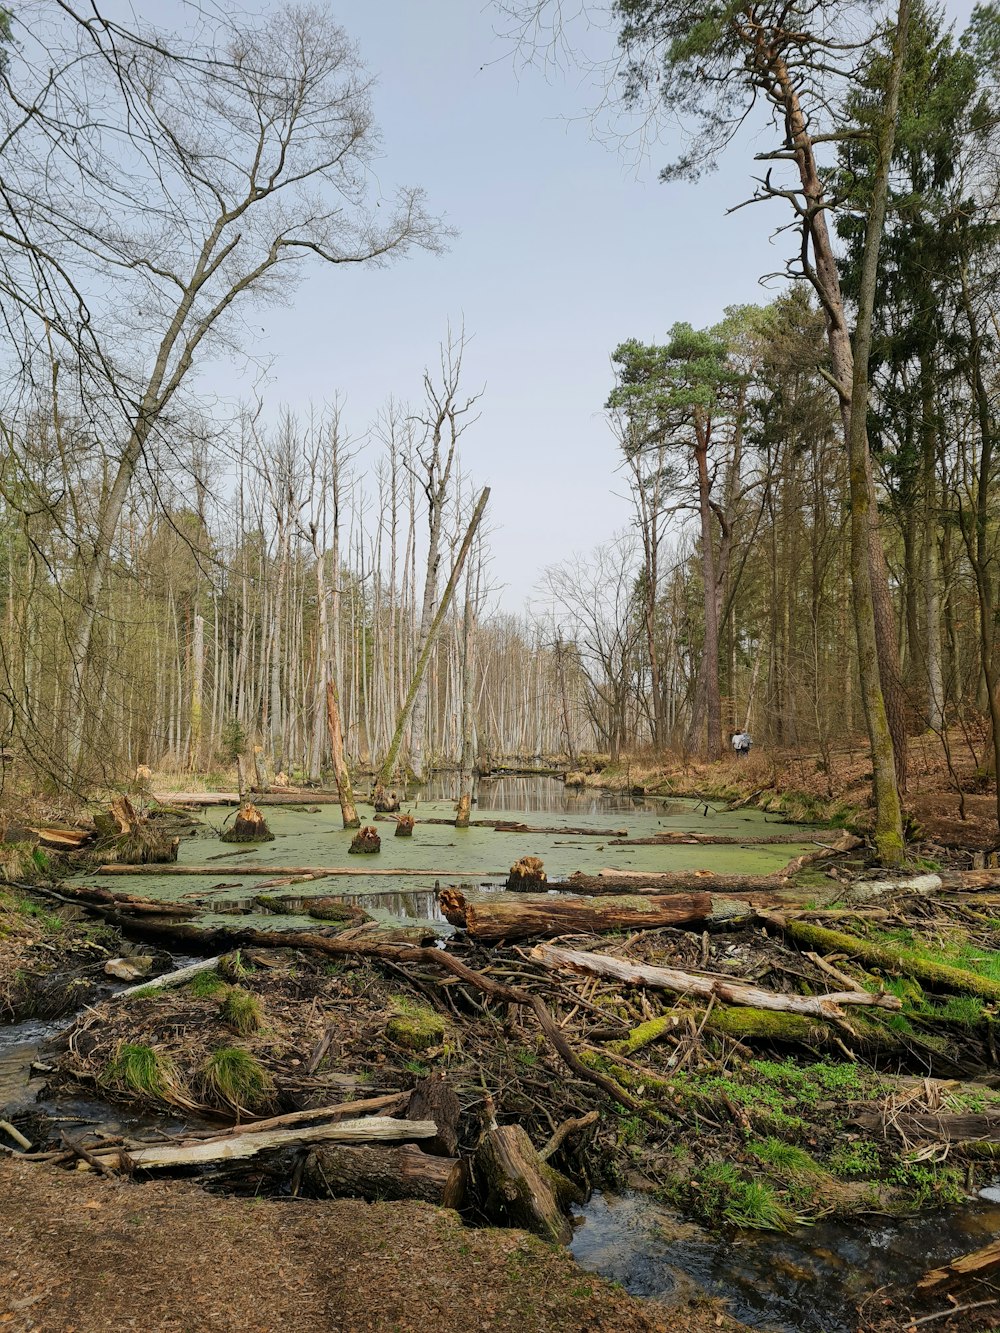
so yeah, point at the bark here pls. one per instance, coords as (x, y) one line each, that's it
(249, 826)
(685, 983)
(374, 1174)
(710, 651)
(434, 1099)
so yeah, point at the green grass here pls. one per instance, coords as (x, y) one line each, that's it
(143, 1070)
(237, 1079)
(854, 1159)
(233, 967)
(725, 1195)
(242, 1011)
(790, 1160)
(206, 984)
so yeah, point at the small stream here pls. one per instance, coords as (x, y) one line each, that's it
(810, 1281)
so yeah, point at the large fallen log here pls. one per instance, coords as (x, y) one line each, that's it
(385, 1173)
(516, 1188)
(680, 838)
(936, 1126)
(893, 958)
(542, 916)
(313, 872)
(239, 1147)
(609, 880)
(687, 983)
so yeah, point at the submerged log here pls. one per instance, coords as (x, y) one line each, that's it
(526, 874)
(385, 1173)
(687, 983)
(250, 826)
(516, 1188)
(546, 915)
(976, 1264)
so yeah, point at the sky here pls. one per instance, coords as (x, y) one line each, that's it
(565, 246)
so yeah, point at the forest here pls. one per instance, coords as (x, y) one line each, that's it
(716, 994)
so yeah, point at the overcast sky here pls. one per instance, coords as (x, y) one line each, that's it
(564, 248)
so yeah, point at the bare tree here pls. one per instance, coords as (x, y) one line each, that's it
(150, 190)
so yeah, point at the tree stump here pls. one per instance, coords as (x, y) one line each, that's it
(434, 1099)
(385, 802)
(516, 1188)
(135, 839)
(385, 1173)
(404, 826)
(526, 874)
(366, 840)
(250, 826)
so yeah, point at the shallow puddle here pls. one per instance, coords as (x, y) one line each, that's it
(811, 1281)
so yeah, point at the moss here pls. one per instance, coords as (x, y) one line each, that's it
(242, 1011)
(268, 902)
(644, 1034)
(414, 1026)
(894, 958)
(233, 1077)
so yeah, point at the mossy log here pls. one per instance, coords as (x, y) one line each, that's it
(385, 1173)
(893, 958)
(249, 826)
(546, 915)
(516, 1188)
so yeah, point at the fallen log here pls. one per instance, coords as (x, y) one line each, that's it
(512, 826)
(683, 839)
(516, 1188)
(388, 1104)
(239, 1147)
(891, 958)
(687, 983)
(847, 842)
(543, 916)
(313, 872)
(385, 1173)
(170, 979)
(62, 839)
(609, 880)
(978, 1264)
(125, 903)
(937, 1126)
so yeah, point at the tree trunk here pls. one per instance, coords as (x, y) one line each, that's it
(374, 1174)
(516, 1187)
(547, 915)
(345, 791)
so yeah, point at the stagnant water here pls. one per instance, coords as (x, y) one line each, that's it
(811, 1281)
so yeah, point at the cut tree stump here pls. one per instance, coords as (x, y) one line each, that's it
(249, 826)
(516, 1188)
(134, 838)
(365, 840)
(526, 874)
(385, 802)
(385, 1173)
(543, 916)
(404, 826)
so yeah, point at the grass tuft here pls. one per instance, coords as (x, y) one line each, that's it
(233, 1077)
(145, 1072)
(206, 984)
(242, 1011)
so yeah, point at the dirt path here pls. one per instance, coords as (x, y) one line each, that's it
(85, 1255)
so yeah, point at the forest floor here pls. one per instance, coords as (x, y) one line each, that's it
(92, 1255)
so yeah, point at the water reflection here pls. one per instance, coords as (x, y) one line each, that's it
(535, 794)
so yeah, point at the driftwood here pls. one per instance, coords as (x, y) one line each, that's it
(516, 1188)
(686, 983)
(385, 1173)
(543, 916)
(239, 1147)
(976, 1264)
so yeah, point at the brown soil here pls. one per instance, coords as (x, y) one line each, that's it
(92, 1255)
